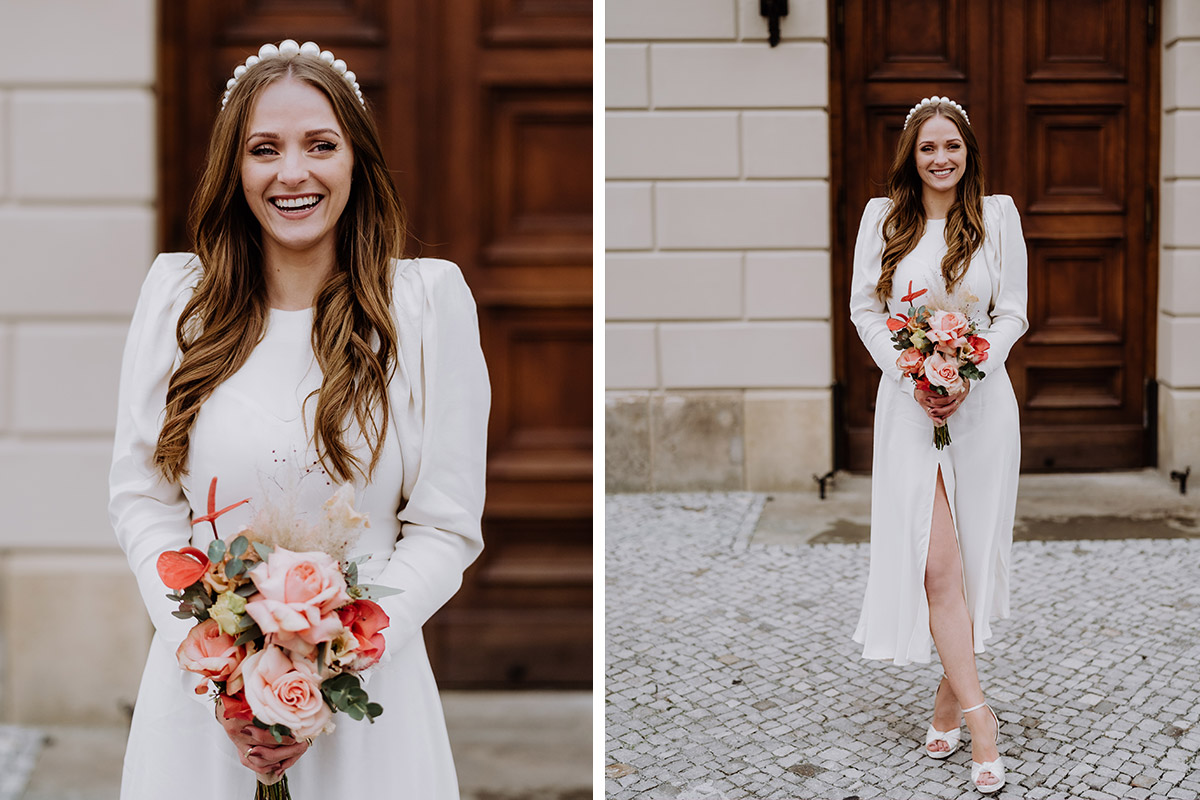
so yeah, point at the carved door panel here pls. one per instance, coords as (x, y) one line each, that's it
(1063, 98)
(485, 111)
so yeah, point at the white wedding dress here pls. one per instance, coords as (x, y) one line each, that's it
(424, 501)
(980, 467)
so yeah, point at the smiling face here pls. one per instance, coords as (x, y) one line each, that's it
(940, 155)
(296, 169)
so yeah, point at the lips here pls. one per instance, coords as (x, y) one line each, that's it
(941, 173)
(296, 205)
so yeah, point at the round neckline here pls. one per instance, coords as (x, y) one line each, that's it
(286, 311)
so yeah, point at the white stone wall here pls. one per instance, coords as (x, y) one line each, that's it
(77, 234)
(1179, 233)
(718, 343)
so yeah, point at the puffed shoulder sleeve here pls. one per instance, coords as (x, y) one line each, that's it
(149, 513)
(440, 517)
(1008, 268)
(868, 313)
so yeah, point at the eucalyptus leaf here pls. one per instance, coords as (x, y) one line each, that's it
(216, 550)
(235, 568)
(376, 592)
(245, 590)
(239, 546)
(182, 614)
(263, 550)
(374, 710)
(249, 635)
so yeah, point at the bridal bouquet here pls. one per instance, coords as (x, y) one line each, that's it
(283, 627)
(941, 351)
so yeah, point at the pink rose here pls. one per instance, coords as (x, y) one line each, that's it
(911, 361)
(284, 691)
(298, 594)
(948, 328)
(209, 652)
(979, 349)
(943, 371)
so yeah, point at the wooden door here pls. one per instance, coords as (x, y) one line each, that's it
(1063, 97)
(485, 111)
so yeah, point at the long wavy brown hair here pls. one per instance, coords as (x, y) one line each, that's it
(905, 222)
(353, 337)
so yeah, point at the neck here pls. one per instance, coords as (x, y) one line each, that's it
(292, 277)
(937, 204)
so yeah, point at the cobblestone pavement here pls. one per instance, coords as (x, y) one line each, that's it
(18, 753)
(730, 673)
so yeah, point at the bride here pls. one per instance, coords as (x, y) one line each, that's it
(292, 352)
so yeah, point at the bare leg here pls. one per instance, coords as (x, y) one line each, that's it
(950, 625)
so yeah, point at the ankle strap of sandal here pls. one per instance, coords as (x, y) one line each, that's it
(974, 708)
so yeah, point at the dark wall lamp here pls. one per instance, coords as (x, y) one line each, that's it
(773, 10)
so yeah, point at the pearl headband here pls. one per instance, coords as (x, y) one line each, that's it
(286, 49)
(933, 101)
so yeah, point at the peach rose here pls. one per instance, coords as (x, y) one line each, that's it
(942, 371)
(979, 349)
(209, 652)
(297, 595)
(283, 691)
(948, 328)
(911, 361)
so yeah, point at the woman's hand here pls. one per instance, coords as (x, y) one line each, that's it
(939, 407)
(257, 748)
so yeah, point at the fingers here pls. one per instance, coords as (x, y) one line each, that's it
(278, 757)
(256, 735)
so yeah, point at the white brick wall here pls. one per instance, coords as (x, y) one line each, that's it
(74, 259)
(743, 75)
(63, 377)
(1179, 261)
(77, 222)
(626, 76)
(717, 198)
(92, 144)
(647, 145)
(77, 42)
(669, 19)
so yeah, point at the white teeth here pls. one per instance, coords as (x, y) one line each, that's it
(296, 203)
(941, 173)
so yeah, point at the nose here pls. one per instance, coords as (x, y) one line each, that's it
(292, 169)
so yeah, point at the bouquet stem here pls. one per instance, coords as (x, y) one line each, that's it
(275, 791)
(941, 436)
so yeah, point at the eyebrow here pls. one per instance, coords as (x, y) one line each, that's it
(948, 141)
(307, 134)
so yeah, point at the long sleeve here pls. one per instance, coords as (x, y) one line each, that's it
(868, 313)
(148, 513)
(1008, 266)
(449, 394)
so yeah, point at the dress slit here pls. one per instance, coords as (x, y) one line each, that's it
(948, 484)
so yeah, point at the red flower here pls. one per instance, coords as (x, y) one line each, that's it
(234, 706)
(908, 298)
(897, 322)
(179, 569)
(980, 347)
(365, 619)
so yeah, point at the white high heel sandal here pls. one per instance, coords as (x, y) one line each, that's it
(952, 737)
(995, 767)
